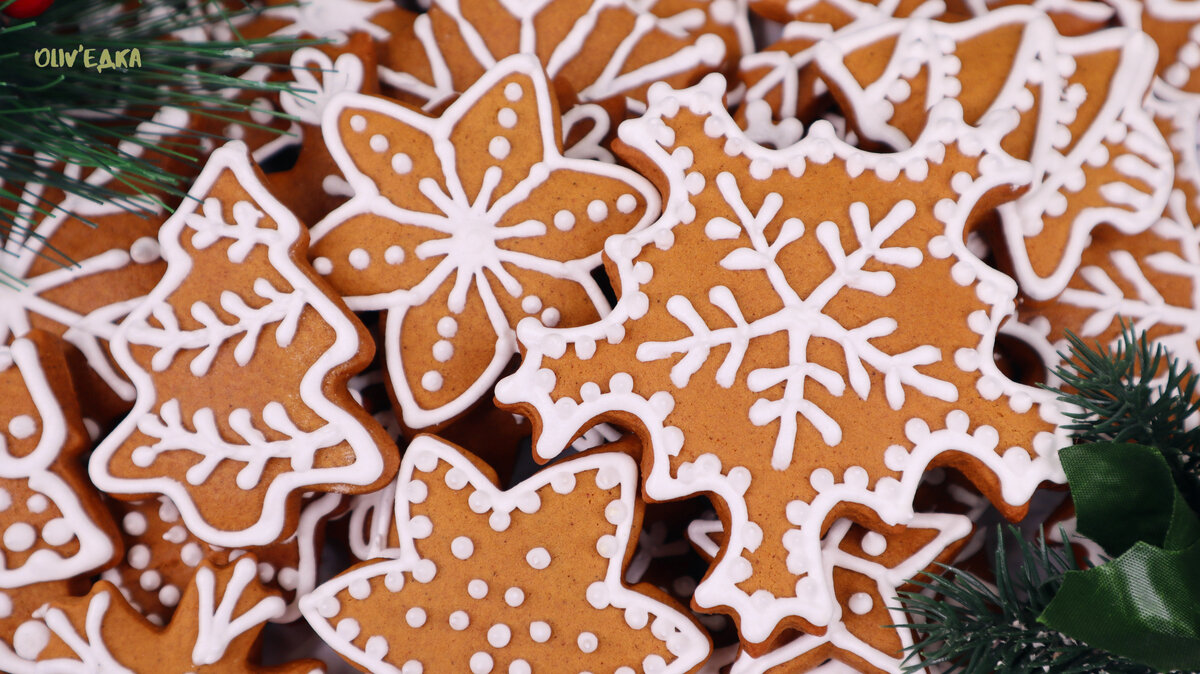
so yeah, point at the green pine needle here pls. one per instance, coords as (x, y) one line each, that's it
(80, 116)
(1119, 401)
(968, 626)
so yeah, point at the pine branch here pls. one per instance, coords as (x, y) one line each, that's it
(1120, 401)
(972, 627)
(51, 117)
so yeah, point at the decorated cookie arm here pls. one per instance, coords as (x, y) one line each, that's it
(504, 523)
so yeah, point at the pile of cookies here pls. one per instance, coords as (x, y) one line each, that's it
(769, 284)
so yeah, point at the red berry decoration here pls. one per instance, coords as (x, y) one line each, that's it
(26, 9)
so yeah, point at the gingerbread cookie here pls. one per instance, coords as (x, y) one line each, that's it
(53, 525)
(599, 48)
(524, 580)
(463, 224)
(161, 556)
(1073, 107)
(866, 568)
(240, 357)
(794, 291)
(214, 630)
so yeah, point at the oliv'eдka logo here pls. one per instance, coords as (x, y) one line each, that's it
(86, 57)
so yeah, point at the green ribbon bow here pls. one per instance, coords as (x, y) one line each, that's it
(1144, 604)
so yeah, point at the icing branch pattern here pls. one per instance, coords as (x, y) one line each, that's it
(297, 446)
(217, 625)
(802, 319)
(1147, 307)
(283, 308)
(277, 443)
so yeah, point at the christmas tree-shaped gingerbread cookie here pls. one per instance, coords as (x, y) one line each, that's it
(240, 357)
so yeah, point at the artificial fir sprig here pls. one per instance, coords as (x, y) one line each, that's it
(971, 626)
(51, 117)
(1134, 392)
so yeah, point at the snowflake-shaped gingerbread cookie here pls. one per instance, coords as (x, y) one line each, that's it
(461, 225)
(240, 357)
(524, 580)
(784, 298)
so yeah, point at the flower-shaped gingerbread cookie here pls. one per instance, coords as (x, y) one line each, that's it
(53, 525)
(785, 298)
(240, 357)
(524, 580)
(461, 225)
(215, 629)
(1075, 112)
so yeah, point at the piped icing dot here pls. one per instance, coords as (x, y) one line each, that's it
(459, 621)
(447, 327)
(519, 667)
(539, 631)
(499, 635)
(19, 537)
(462, 547)
(134, 523)
(379, 142)
(191, 554)
(564, 220)
(597, 210)
(323, 266)
(376, 647)
(402, 163)
(169, 595)
(538, 558)
(587, 642)
(531, 304)
(150, 581)
(358, 123)
(874, 543)
(442, 350)
(412, 667)
(415, 617)
(477, 588)
(513, 91)
(499, 147)
(393, 255)
(431, 381)
(507, 117)
(57, 532)
(481, 663)
(145, 250)
(37, 503)
(626, 203)
(30, 639)
(861, 602)
(514, 596)
(359, 258)
(5, 606)
(22, 426)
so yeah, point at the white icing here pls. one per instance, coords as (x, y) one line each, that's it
(471, 255)
(684, 640)
(36, 468)
(1018, 473)
(200, 435)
